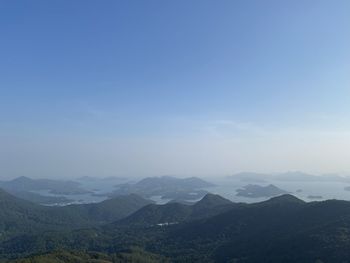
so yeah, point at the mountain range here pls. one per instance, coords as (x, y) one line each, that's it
(281, 229)
(167, 187)
(291, 176)
(19, 216)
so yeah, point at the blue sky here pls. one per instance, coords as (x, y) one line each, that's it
(179, 87)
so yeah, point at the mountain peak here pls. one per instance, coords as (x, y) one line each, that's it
(210, 200)
(22, 179)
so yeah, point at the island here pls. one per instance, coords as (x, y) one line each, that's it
(258, 191)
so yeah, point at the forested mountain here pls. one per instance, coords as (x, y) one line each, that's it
(282, 229)
(18, 216)
(109, 210)
(174, 213)
(30, 189)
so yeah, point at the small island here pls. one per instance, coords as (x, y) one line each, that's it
(257, 191)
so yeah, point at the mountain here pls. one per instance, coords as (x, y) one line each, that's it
(40, 199)
(166, 186)
(177, 212)
(304, 177)
(212, 200)
(19, 216)
(250, 177)
(158, 214)
(26, 184)
(256, 191)
(109, 210)
(291, 176)
(299, 176)
(281, 229)
(98, 179)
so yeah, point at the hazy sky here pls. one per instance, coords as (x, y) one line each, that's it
(173, 87)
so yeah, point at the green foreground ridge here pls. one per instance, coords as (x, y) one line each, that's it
(132, 229)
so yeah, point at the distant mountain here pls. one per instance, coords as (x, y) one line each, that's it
(291, 176)
(305, 177)
(87, 179)
(172, 182)
(250, 177)
(96, 179)
(26, 184)
(40, 199)
(176, 212)
(299, 176)
(166, 186)
(256, 191)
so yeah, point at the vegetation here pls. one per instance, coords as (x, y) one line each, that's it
(134, 255)
(18, 216)
(282, 229)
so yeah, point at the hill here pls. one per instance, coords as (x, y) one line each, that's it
(19, 216)
(167, 187)
(266, 232)
(109, 210)
(26, 184)
(281, 229)
(174, 213)
(256, 191)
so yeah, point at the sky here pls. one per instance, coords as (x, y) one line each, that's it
(186, 87)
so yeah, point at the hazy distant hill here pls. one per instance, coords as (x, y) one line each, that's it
(251, 177)
(26, 184)
(97, 179)
(288, 177)
(167, 187)
(256, 191)
(305, 177)
(40, 199)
